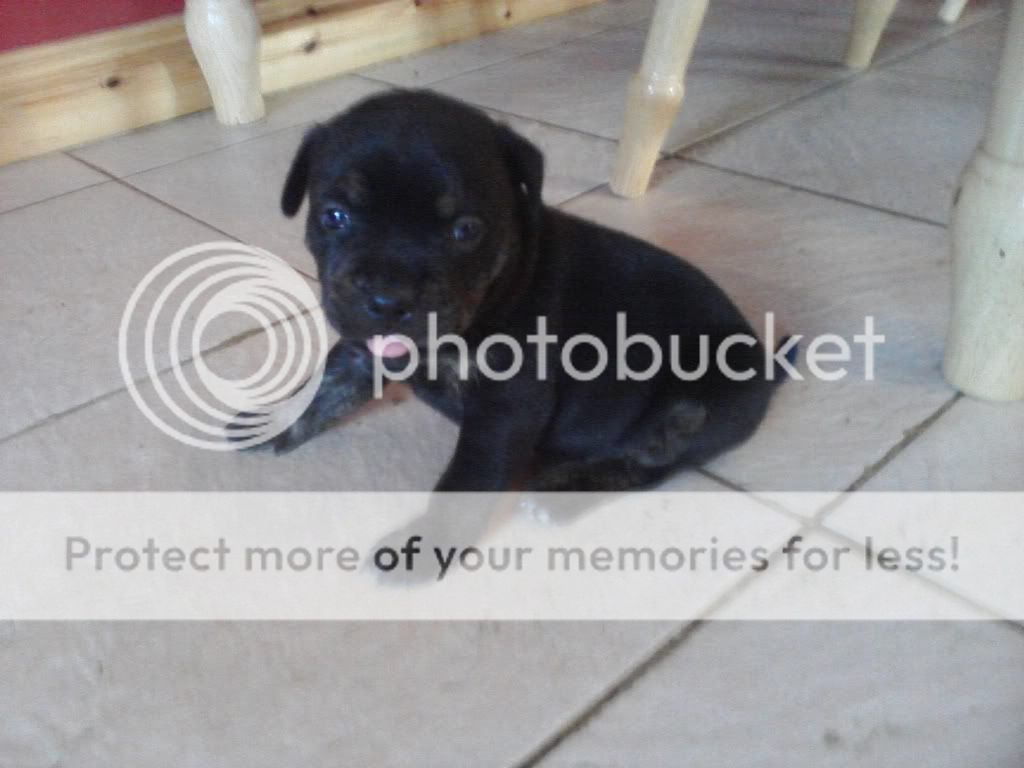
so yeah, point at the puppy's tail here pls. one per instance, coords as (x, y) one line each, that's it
(789, 348)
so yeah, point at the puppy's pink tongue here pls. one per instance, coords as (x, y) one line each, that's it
(388, 346)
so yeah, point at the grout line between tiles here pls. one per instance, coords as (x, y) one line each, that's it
(825, 84)
(817, 526)
(841, 79)
(668, 647)
(54, 197)
(549, 124)
(818, 193)
(188, 361)
(933, 586)
(128, 185)
(512, 57)
(205, 152)
(578, 195)
(604, 28)
(755, 495)
(124, 182)
(537, 120)
(909, 436)
(620, 685)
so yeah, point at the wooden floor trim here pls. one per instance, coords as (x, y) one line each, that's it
(65, 93)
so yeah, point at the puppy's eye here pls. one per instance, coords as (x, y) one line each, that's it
(467, 230)
(335, 218)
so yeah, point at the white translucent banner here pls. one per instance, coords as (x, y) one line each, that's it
(652, 556)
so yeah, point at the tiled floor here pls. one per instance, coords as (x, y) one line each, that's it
(801, 188)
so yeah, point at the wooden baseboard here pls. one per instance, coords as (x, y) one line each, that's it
(61, 94)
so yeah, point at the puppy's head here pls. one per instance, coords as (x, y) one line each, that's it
(417, 204)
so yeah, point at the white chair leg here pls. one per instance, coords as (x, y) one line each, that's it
(951, 10)
(869, 21)
(225, 37)
(985, 347)
(656, 92)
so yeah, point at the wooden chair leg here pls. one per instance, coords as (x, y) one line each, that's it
(869, 21)
(985, 347)
(951, 10)
(225, 37)
(656, 92)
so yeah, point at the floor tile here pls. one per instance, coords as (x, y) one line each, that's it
(736, 73)
(51, 674)
(41, 178)
(70, 266)
(270, 694)
(821, 267)
(829, 694)
(852, 141)
(439, 63)
(173, 140)
(237, 189)
(975, 446)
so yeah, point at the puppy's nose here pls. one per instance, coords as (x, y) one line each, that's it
(388, 308)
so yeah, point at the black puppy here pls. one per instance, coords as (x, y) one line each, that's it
(419, 204)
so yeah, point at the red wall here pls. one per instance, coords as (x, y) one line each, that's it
(27, 22)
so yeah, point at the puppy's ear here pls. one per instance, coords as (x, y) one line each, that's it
(525, 163)
(526, 168)
(297, 183)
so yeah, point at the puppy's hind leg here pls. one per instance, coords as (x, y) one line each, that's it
(665, 436)
(648, 453)
(564, 492)
(657, 442)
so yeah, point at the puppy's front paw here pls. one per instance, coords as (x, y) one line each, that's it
(418, 569)
(427, 549)
(240, 432)
(532, 508)
(554, 508)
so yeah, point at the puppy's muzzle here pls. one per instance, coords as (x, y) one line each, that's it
(388, 309)
(383, 307)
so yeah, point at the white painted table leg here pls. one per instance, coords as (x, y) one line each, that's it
(985, 347)
(951, 10)
(869, 21)
(225, 37)
(656, 92)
